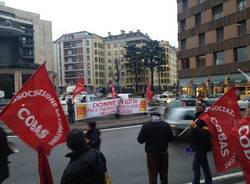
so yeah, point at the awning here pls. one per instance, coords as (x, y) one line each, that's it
(218, 79)
(185, 82)
(200, 81)
(238, 78)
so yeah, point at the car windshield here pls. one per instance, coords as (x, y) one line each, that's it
(163, 96)
(180, 114)
(174, 104)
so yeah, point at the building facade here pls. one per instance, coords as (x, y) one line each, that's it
(102, 62)
(213, 42)
(25, 43)
(78, 55)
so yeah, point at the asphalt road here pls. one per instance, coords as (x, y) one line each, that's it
(125, 159)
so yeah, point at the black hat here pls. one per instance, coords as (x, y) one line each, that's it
(76, 139)
(155, 114)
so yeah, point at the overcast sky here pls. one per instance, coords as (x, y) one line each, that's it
(155, 17)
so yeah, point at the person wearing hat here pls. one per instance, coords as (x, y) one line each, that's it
(86, 165)
(5, 151)
(93, 135)
(156, 134)
(200, 144)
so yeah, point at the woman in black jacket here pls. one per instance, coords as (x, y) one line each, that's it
(93, 135)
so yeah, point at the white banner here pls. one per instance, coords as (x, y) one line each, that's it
(109, 107)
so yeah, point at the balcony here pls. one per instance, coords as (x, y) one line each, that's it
(10, 28)
(214, 70)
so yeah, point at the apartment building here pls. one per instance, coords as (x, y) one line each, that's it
(115, 50)
(102, 62)
(213, 42)
(168, 73)
(80, 54)
(25, 42)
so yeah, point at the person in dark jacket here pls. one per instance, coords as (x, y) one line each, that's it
(93, 135)
(156, 134)
(71, 111)
(201, 145)
(86, 165)
(4, 153)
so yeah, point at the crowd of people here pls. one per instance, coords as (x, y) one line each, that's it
(88, 165)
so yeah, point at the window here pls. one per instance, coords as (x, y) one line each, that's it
(95, 52)
(89, 81)
(109, 53)
(108, 46)
(95, 44)
(87, 42)
(202, 39)
(185, 4)
(88, 58)
(96, 59)
(183, 25)
(183, 44)
(241, 54)
(88, 50)
(115, 45)
(185, 63)
(220, 34)
(197, 19)
(242, 28)
(217, 11)
(201, 61)
(241, 4)
(219, 58)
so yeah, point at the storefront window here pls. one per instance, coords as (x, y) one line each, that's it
(241, 54)
(219, 58)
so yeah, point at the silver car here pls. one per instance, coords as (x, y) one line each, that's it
(179, 118)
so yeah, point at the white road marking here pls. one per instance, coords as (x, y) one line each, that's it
(102, 130)
(226, 176)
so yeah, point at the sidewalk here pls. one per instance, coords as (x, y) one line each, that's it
(102, 123)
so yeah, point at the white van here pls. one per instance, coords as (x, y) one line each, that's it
(124, 95)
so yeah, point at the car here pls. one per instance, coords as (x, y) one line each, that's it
(213, 98)
(243, 103)
(181, 103)
(3, 103)
(179, 118)
(166, 98)
(124, 95)
(156, 97)
(186, 97)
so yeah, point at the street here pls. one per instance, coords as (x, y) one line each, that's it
(125, 160)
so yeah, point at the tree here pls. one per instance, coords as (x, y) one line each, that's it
(154, 56)
(134, 57)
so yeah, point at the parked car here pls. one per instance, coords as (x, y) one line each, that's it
(213, 98)
(166, 98)
(124, 95)
(243, 103)
(181, 103)
(179, 118)
(156, 97)
(186, 97)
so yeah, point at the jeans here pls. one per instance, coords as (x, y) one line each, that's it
(158, 164)
(71, 116)
(200, 160)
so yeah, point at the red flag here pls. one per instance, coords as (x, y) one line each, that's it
(241, 140)
(43, 167)
(113, 91)
(79, 87)
(220, 119)
(149, 93)
(35, 113)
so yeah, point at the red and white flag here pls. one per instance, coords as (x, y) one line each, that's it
(79, 87)
(113, 91)
(220, 119)
(149, 93)
(36, 116)
(241, 142)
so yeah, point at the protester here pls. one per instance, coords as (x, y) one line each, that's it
(87, 165)
(71, 110)
(93, 135)
(4, 153)
(156, 134)
(201, 145)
